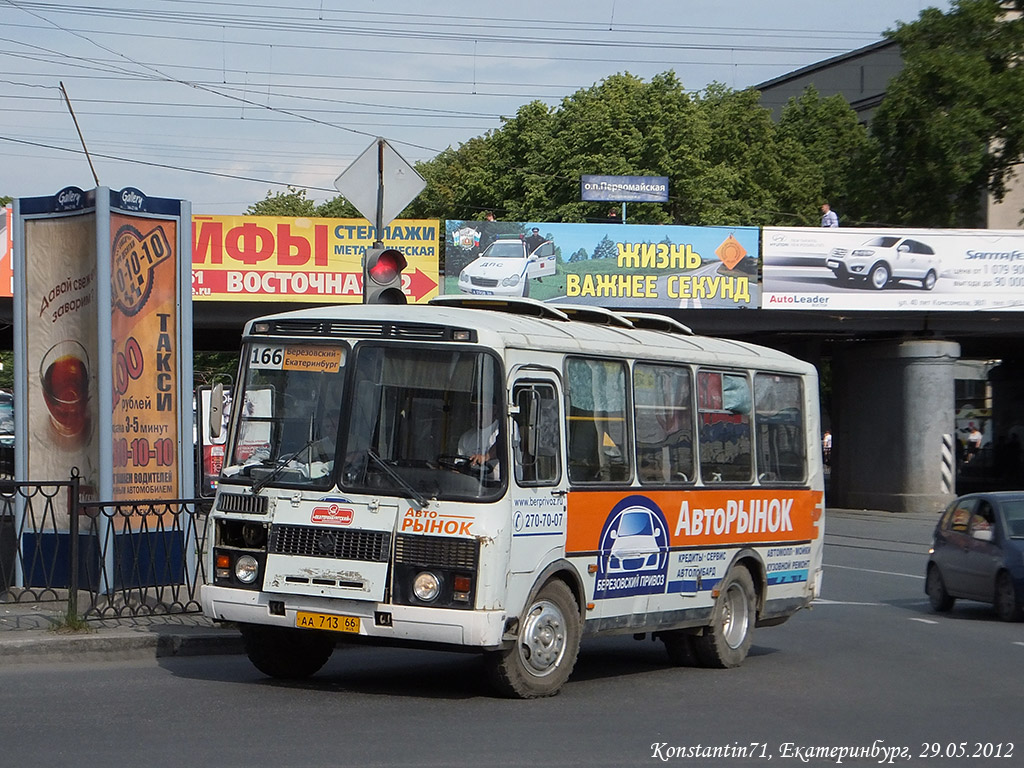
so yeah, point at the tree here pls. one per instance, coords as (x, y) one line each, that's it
(823, 146)
(950, 127)
(295, 203)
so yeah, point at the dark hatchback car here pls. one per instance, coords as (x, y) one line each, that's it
(978, 554)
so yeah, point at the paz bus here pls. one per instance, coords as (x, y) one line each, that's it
(509, 477)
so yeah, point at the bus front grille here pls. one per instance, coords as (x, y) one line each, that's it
(242, 503)
(368, 546)
(438, 551)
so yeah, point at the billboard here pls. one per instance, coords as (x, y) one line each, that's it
(146, 339)
(271, 258)
(637, 266)
(6, 252)
(60, 333)
(893, 269)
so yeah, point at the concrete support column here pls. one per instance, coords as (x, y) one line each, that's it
(893, 416)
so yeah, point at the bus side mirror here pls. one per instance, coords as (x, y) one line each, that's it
(216, 409)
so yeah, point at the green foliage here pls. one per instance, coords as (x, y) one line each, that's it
(5, 200)
(295, 203)
(210, 368)
(950, 127)
(726, 161)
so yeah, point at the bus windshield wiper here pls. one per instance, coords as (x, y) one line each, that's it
(404, 484)
(281, 464)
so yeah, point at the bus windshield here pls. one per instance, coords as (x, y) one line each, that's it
(290, 408)
(425, 420)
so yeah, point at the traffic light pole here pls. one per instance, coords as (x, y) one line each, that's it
(379, 223)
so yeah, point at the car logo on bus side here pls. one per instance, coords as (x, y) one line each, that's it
(332, 515)
(633, 550)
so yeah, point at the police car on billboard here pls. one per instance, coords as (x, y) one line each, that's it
(506, 266)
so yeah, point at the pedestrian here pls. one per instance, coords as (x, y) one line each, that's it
(828, 216)
(489, 216)
(826, 448)
(974, 438)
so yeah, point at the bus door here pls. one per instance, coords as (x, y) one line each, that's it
(537, 487)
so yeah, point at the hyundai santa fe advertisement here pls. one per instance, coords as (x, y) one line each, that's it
(909, 269)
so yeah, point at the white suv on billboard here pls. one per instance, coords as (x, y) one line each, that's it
(884, 260)
(506, 267)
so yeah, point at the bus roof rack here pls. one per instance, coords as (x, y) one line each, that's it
(652, 322)
(590, 314)
(514, 306)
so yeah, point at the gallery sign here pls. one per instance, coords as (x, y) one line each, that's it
(102, 375)
(893, 269)
(103, 362)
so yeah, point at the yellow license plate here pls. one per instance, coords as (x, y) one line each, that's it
(328, 621)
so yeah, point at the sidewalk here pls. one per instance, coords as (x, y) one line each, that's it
(30, 634)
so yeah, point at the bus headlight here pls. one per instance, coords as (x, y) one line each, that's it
(426, 586)
(246, 569)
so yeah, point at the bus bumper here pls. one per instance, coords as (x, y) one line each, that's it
(470, 628)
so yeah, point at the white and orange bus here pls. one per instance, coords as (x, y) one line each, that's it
(508, 476)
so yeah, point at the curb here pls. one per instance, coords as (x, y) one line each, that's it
(47, 647)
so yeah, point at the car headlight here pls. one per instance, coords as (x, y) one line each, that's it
(246, 569)
(864, 254)
(511, 282)
(426, 586)
(463, 277)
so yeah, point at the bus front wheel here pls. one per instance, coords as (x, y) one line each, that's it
(728, 638)
(545, 650)
(285, 653)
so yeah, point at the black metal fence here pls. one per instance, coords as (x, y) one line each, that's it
(104, 559)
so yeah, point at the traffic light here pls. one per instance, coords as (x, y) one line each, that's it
(382, 276)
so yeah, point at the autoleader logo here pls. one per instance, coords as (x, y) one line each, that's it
(633, 556)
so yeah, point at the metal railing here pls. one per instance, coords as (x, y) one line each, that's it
(105, 559)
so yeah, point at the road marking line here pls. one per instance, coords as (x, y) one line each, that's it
(869, 570)
(1018, 642)
(823, 601)
(925, 621)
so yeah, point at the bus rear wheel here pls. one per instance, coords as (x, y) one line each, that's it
(285, 653)
(727, 639)
(545, 651)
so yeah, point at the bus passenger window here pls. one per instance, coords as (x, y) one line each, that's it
(535, 437)
(663, 407)
(779, 420)
(723, 403)
(597, 428)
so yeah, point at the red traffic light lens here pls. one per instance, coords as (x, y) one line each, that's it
(387, 267)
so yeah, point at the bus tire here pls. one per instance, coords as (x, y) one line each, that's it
(544, 654)
(727, 639)
(286, 653)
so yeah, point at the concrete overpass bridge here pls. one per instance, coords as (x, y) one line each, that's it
(890, 379)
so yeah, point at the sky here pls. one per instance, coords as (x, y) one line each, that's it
(221, 103)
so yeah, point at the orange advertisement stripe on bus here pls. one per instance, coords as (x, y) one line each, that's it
(703, 517)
